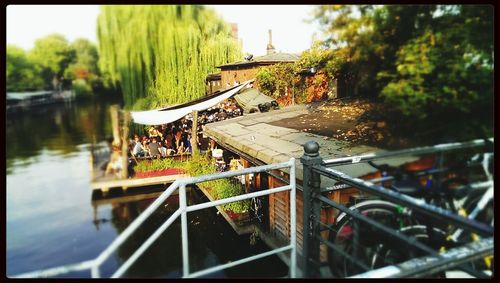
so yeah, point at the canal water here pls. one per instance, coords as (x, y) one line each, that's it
(52, 221)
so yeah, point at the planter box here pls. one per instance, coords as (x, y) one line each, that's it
(158, 173)
(237, 217)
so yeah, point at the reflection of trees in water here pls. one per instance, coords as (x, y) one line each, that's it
(56, 127)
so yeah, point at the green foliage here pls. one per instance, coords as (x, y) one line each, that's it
(445, 73)
(284, 79)
(316, 57)
(162, 53)
(52, 54)
(201, 165)
(53, 63)
(266, 80)
(227, 189)
(159, 164)
(431, 63)
(279, 79)
(84, 68)
(81, 87)
(21, 74)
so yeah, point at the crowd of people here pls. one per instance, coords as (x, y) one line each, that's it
(175, 138)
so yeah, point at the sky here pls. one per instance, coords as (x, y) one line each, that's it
(290, 32)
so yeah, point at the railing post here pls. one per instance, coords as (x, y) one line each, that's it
(311, 209)
(184, 232)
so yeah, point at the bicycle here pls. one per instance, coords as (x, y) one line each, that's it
(377, 250)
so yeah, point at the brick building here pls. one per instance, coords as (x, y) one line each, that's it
(247, 69)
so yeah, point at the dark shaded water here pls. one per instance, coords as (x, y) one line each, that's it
(51, 220)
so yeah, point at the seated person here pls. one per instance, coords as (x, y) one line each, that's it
(145, 147)
(115, 162)
(153, 132)
(178, 144)
(154, 148)
(163, 149)
(137, 150)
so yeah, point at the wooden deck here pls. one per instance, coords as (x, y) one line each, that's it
(125, 198)
(131, 183)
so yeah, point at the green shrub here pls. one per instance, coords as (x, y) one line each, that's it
(197, 166)
(81, 87)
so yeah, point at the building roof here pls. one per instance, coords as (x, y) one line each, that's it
(267, 59)
(27, 95)
(213, 76)
(255, 136)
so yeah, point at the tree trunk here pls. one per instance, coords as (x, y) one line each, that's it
(115, 125)
(194, 133)
(125, 145)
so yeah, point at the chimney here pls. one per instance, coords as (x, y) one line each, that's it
(270, 47)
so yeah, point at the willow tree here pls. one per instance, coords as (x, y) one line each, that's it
(160, 55)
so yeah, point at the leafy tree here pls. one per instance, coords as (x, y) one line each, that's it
(160, 55)
(429, 62)
(84, 71)
(446, 74)
(86, 58)
(52, 54)
(350, 31)
(21, 73)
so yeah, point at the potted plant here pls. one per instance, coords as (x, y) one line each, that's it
(158, 167)
(219, 189)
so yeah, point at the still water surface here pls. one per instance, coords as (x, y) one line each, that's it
(51, 220)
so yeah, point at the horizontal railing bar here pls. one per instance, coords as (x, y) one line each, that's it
(454, 257)
(412, 151)
(395, 234)
(392, 232)
(57, 270)
(237, 198)
(146, 244)
(238, 262)
(432, 264)
(384, 179)
(344, 254)
(135, 224)
(229, 174)
(417, 204)
(151, 208)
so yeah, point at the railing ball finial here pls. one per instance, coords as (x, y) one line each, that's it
(311, 148)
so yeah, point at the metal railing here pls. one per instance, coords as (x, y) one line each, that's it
(95, 264)
(431, 264)
(314, 201)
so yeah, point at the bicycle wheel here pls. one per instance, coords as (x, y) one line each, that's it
(342, 236)
(389, 253)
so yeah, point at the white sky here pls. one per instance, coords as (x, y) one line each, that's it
(26, 23)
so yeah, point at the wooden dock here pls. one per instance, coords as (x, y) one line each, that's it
(124, 184)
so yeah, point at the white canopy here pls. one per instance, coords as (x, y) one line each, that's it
(171, 114)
